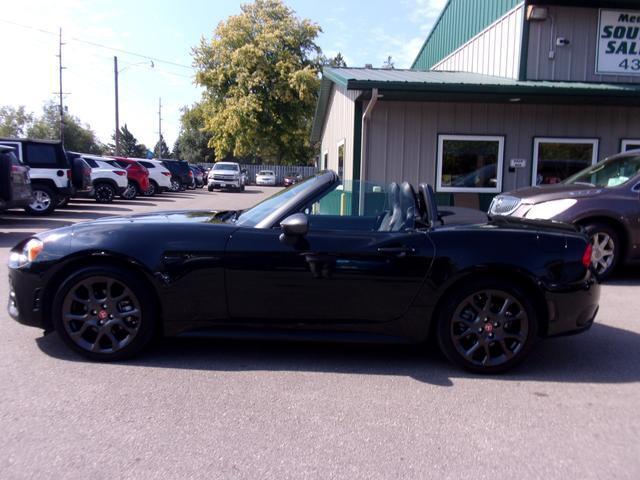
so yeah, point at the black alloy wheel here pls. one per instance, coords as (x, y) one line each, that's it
(104, 193)
(487, 326)
(104, 314)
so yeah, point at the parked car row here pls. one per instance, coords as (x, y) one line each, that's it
(40, 176)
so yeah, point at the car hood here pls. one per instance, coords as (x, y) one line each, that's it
(545, 193)
(172, 217)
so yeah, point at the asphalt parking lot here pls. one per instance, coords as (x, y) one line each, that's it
(213, 409)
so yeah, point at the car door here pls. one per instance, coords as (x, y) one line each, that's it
(351, 274)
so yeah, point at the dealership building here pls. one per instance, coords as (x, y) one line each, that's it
(503, 94)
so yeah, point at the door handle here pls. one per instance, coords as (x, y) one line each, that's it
(399, 251)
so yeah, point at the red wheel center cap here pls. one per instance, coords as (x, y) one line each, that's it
(102, 314)
(488, 327)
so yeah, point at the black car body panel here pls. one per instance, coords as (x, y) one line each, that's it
(362, 282)
(15, 185)
(179, 170)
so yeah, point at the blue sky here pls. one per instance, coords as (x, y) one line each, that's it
(363, 31)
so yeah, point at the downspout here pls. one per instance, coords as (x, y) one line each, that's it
(363, 147)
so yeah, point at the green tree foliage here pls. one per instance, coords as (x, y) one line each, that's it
(14, 121)
(129, 146)
(161, 150)
(193, 141)
(337, 61)
(17, 122)
(260, 74)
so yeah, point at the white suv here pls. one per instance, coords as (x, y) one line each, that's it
(159, 176)
(108, 181)
(54, 177)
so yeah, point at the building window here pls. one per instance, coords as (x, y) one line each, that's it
(325, 161)
(629, 144)
(341, 158)
(555, 159)
(468, 163)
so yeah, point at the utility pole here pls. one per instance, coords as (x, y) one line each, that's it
(60, 68)
(115, 75)
(160, 128)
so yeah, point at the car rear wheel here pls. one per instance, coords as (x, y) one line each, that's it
(44, 201)
(605, 243)
(104, 313)
(487, 326)
(130, 192)
(104, 193)
(152, 190)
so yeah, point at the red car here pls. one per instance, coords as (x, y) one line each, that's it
(137, 175)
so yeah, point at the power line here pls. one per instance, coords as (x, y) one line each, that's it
(100, 45)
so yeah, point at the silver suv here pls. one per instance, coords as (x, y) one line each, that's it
(227, 175)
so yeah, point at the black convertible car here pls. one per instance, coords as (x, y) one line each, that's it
(324, 259)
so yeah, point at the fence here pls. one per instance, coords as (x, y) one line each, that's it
(280, 170)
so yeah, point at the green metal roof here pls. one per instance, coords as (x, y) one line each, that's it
(459, 21)
(415, 85)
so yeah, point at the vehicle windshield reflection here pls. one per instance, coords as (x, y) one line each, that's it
(609, 173)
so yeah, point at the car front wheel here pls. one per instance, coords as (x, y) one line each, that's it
(44, 201)
(152, 190)
(104, 313)
(605, 254)
(487, 326)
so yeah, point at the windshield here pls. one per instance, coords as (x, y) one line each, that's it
(226, 166)
(253, 216)
(265, 172)
(609, 173)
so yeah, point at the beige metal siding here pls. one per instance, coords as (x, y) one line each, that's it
(494, 51)
(574, 62)
(404, 135)
(339, 127)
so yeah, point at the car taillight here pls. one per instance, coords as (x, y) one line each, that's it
(166, 174)
(122, 173)
(586, 257)
(69, 174)
(191, 174)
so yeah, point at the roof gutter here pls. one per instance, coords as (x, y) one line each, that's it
(363, 146)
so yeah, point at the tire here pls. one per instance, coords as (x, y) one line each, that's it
(606, 249)
(175, 185)
(210, 188)
(130, 193)
(152, 190)
(242, 188)
(473, 333)
(104, 193)
(127, 323)
(44, 201)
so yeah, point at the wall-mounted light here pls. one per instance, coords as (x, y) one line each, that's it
(537, 14)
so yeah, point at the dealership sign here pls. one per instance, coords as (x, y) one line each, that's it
(618, 49)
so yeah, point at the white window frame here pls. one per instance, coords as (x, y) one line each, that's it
(471, 138)
(323, 165)
(626, 141)
(339, 144)
(536, 150)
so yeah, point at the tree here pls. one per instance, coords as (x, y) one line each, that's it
(260, 72)
(161, 150)
(193, 141)
(338, 61)
(129, 146)
(14, 121)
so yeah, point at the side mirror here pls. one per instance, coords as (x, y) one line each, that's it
(296, 225)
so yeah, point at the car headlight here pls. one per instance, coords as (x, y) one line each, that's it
(28, 254)
(547, 210)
